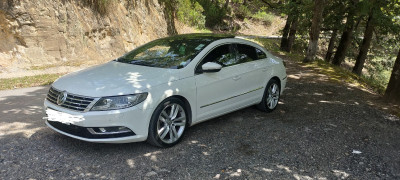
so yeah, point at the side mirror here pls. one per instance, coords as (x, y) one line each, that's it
(211, 67)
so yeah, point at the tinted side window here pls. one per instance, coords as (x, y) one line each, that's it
(222, 55)
(260, 54)
(246, 53)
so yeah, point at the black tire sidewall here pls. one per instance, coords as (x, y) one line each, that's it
(264, 104)
(153, 137)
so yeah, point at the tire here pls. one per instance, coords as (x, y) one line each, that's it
(168, 123)
(271, 96)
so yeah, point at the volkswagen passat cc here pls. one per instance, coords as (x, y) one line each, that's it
(158, 90)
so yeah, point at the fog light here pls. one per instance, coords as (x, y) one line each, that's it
(109, 130)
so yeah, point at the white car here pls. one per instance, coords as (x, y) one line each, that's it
(157, 90)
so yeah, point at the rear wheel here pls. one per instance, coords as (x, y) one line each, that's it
(271, 96)
(168, 123)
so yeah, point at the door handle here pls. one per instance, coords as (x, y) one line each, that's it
(236, 78)
(264, 69)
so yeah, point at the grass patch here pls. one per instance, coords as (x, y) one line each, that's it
(43, 67)
(197, 30)
(267, 18)
(48, 66)
(28, 81)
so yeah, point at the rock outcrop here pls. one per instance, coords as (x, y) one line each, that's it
(69, 32)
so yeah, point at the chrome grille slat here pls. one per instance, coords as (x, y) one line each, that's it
(52, 90)
(73, 102)
(54, 102)
(52, 96)
(85, 101)
(73, 107)
(80, 98)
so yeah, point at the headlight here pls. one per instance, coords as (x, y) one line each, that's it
(118, 102)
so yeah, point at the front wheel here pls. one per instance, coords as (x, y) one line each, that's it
(271, 96)
(168, 123)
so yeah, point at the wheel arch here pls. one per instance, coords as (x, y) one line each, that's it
(187, 106)
(277, 79)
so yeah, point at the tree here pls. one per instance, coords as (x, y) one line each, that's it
(333, 17)
(347, 34)
(290, 29)
(331, 45)
(369, 30)
(169, 12)
(393, 89)
(385, 12)
(292, 33)
(315, 30)
(285, 33)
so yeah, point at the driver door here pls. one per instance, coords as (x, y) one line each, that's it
(216, 91)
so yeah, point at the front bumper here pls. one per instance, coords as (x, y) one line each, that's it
(132, 118)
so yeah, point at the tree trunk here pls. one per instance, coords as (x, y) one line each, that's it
(315, 30)
(331, 45)
(292, 33)
(169, 13)
(362, 55)
(393, 89)
(346, 38)
(285, 33)
(226, 3)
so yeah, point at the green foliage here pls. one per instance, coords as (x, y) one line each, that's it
(214, 11)
(243, 12)
(335, 73)
(201, 13)
(267, 18)
(191, 13)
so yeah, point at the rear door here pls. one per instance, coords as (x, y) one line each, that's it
(253, 73)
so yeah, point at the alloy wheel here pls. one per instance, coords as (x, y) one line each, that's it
(171, 123)
(273, 96)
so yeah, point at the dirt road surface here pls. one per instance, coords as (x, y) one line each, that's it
(320, 130)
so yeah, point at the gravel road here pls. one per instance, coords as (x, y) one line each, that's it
(320, 130)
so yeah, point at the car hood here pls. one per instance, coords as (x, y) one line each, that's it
(114, 78)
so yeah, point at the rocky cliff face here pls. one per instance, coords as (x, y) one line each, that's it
(68, 32)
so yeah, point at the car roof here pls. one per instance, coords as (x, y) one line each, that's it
(212, 37)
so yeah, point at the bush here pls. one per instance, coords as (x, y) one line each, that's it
(267, 18)
(191, 13)
(201, 13)
(214, 11)
(243, 12)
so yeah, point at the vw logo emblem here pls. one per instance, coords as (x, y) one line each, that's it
(62, 97)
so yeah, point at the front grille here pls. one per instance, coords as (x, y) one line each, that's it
(73, 102)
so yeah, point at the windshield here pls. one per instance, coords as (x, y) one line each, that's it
(172, 53)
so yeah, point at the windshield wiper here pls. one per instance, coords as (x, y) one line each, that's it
(121, 59)
(141, 63)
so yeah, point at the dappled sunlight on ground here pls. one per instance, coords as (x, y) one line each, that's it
(21, 111)
(317, 72)
(25, 129)
(29, 110)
